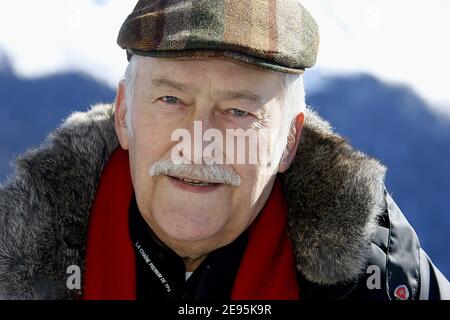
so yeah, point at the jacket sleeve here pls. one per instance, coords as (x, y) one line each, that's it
(433, 284)
(407, 263)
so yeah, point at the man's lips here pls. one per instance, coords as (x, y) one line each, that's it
(192, 185)
(194, 182)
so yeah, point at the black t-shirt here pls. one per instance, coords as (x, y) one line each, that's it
(160, 272)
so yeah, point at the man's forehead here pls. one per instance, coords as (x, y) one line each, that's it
(192, 75)
(216, 63)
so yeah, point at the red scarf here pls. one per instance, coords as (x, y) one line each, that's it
(267, 270)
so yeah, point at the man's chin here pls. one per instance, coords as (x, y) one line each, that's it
(182, 228)
(190, 237)
(184, 235)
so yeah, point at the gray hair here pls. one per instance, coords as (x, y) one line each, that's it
(293, 101)
(128, 80)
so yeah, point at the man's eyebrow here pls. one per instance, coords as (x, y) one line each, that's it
(223, 94)
(166, 82)
(240, 94)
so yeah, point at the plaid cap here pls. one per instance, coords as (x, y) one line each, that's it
(280, 35)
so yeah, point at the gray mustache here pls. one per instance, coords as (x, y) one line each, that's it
(211, 173)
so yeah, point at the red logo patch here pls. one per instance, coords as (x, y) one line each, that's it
(401, 292)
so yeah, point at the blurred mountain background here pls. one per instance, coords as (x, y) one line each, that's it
(389, 122)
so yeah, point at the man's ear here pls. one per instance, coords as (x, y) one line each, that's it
(119, 117)
(292, 144)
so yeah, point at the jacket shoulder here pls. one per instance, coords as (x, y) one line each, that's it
(45, 203)
(397, 267)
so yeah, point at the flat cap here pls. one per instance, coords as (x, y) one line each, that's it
(280, 35)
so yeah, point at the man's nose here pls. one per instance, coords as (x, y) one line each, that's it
(203, 135)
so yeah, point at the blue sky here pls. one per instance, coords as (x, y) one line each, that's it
(397, 40)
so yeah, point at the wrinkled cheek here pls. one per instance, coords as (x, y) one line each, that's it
(148, 146)
(256, 183)
(141, 158)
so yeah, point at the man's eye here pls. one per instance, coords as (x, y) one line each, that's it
(170, 99)
(239, 113)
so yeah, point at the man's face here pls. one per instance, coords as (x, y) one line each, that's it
(171, 94)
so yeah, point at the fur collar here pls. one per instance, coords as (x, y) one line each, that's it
(334, 195)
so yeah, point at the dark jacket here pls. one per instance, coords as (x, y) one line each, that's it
(342, 221)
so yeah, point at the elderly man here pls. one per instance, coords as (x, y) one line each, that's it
(154, 197)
